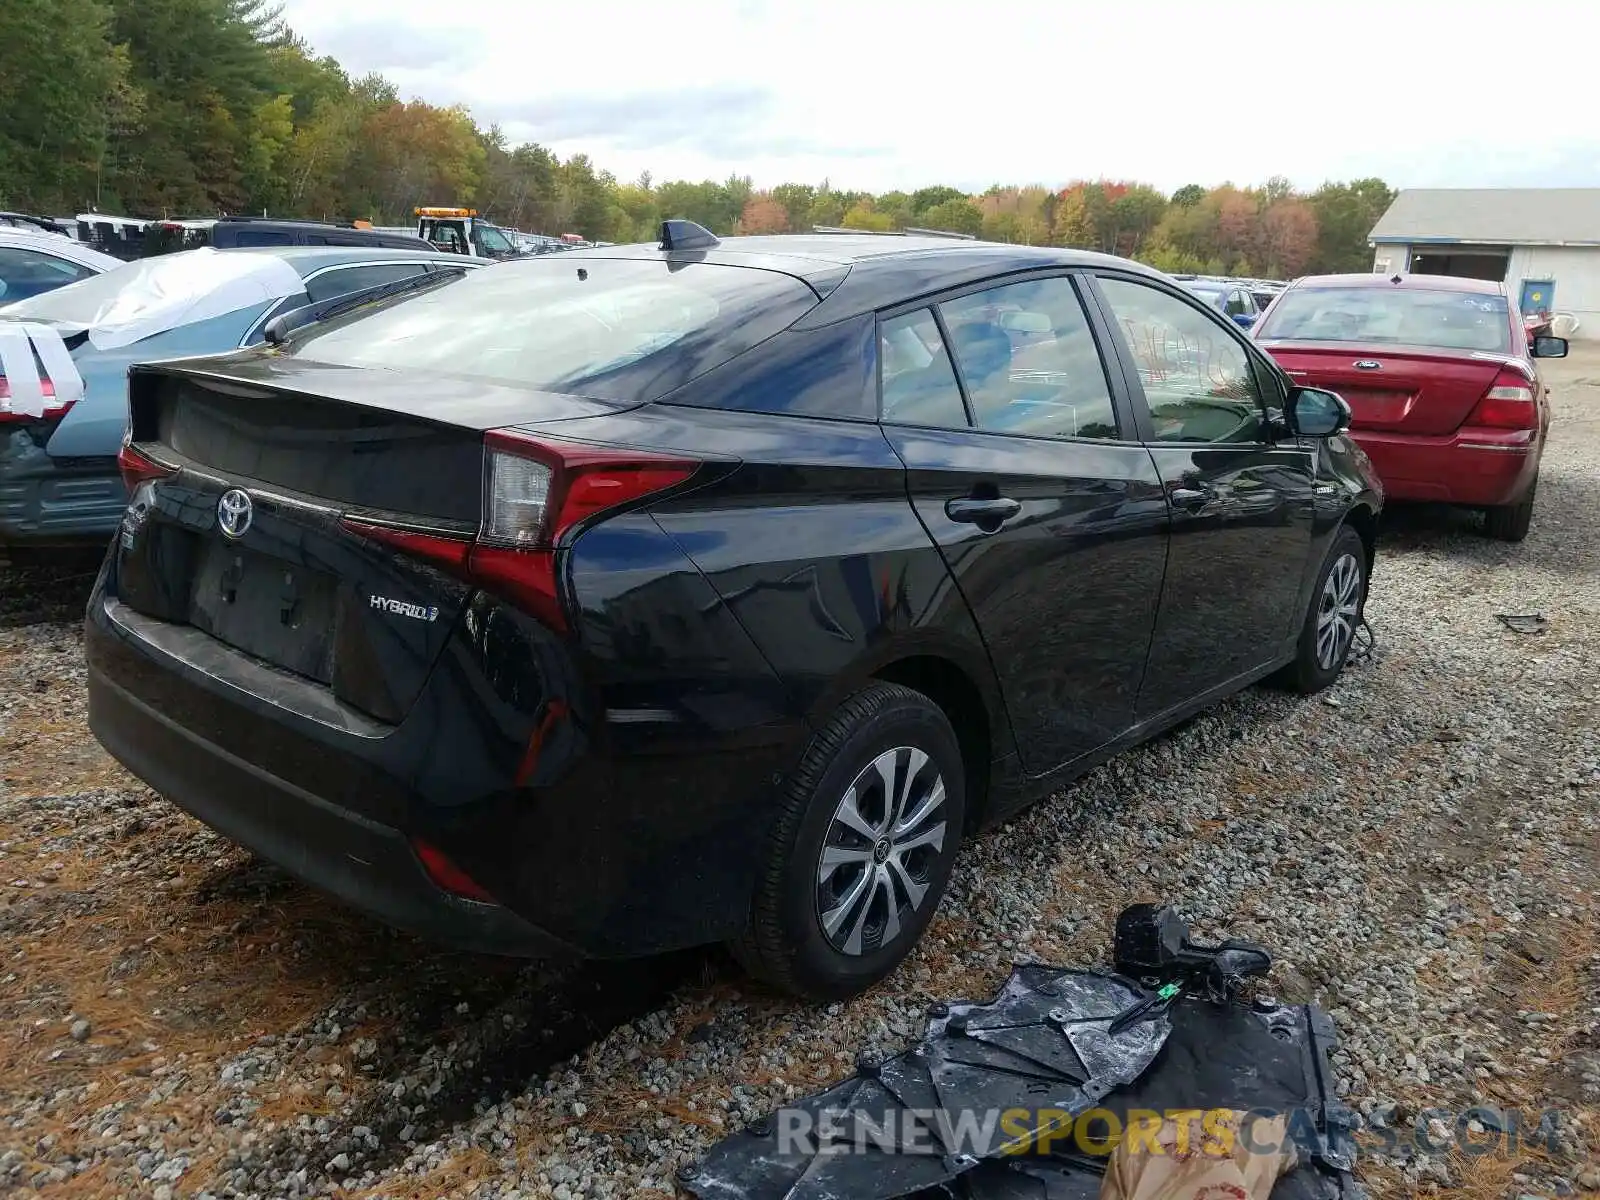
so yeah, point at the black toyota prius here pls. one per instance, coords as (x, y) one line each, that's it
(648, 596)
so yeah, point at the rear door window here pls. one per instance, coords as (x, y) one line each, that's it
(1029, 361)
(342, 281)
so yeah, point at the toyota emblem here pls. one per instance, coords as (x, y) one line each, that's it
(234, 512)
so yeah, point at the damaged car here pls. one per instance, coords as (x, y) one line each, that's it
(62, 419)
(710, 590)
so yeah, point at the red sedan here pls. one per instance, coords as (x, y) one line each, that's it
(1440, 377)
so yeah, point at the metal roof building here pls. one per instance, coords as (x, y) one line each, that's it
(1543, 243)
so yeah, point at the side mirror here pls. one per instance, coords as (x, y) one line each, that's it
(1244, 320)
(1546, 346)
(1317, 413)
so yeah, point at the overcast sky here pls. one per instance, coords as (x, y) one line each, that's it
(882, 94)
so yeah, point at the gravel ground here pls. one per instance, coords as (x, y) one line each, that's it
(1420, 845)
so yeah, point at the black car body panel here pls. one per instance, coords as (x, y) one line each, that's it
(608, 769)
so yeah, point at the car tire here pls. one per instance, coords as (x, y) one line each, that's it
(1510, 522)
(853, 871)
(1337, 602)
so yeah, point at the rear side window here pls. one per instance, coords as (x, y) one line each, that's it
(341, 281)
(1403, 316)
(919, 384)
(825, 372)
(614, 329)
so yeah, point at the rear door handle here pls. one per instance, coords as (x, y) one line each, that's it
(981, 512)
(1190, 498)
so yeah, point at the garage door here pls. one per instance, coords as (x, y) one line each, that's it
(1476, 264)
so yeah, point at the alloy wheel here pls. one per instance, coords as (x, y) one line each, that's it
(1338, 610)
(880, 851)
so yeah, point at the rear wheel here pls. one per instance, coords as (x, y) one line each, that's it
(862, 847)
(1331, 621)
(1509, 522)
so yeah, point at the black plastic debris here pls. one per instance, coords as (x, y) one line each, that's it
(1169, 1030)
(1523, 622)
(897, 1127)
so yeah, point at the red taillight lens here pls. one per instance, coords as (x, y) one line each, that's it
(136, 467)
(538, 488)
(446, 875)
(534, 491)
(1509, 404)
(52, 410)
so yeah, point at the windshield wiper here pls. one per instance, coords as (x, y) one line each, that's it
(278, 329)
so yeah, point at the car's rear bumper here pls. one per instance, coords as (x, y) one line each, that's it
(363, 862)
(55, 501)
(637, 830)
(1482, 468)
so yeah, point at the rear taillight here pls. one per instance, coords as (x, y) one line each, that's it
(138, 467)
(534, 491)
(446, 875)
(52, 410)
(1510, 403)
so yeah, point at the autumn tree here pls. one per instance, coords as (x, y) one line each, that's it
(956, 215)
(1346, 213)
(59, 75)
(796, 199)
(763, 214)
(1288, 238)
(862, 216)
(929, 197)
(199, 107)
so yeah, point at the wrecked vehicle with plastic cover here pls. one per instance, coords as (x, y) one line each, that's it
(64, 359)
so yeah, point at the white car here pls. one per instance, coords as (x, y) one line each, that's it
(33, 262)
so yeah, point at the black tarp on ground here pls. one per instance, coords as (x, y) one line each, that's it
(1216, 1055)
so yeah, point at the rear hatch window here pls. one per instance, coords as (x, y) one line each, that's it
(1395, 315)
(615, 329)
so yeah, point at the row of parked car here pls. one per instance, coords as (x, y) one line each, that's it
(1242, 300)
(714, 589)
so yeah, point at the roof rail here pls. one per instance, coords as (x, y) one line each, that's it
(906, 232)
(240, 217)
(944, 233)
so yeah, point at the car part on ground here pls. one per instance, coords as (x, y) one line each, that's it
(629, 607)
(994, 1101)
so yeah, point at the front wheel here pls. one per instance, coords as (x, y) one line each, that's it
(861, 849)
(1331, 621)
